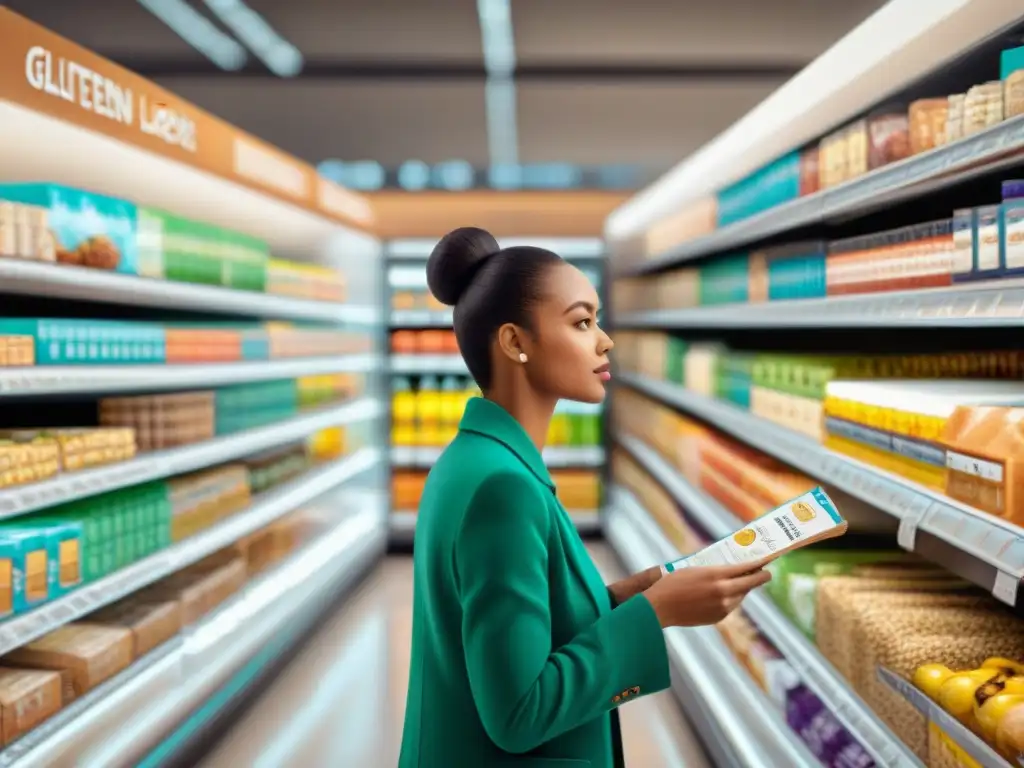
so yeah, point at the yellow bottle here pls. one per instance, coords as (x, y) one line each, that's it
(452, 405)
(428, 411)
(403, 412)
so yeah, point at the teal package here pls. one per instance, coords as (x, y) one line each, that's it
(90, 230)
(31, 555)
(725, 280)
(796, 271)
(90, 342)
(771, 185)
(1010, 61)
(63, 549)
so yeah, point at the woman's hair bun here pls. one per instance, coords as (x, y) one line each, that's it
(455, 260)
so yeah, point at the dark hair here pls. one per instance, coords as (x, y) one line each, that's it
(489, 286)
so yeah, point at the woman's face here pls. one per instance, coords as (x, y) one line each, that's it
(567, 354)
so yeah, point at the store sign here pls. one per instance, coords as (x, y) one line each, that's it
(46, 73)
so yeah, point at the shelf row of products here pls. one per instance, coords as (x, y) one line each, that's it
(119, 428)
(862, 601)
(426, 411)
(43, 677)
(577, 489)
(888, 134)
(81, 341)
(972, 244)
(424, 342)
(946, 421)
(49, 553)
(52, 223)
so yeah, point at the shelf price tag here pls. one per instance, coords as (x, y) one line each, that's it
(906, 535)
(1005, 587)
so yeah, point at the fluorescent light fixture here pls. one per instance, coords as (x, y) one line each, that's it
(500, 91)
(280, 57)
(199, 32)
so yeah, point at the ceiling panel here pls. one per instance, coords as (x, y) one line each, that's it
(652, 125)
(727, 31)
(391, 30)
(384, 121)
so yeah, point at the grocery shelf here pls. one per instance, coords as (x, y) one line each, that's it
(816, 672)
(119, 722)
(416, 364)
(159, 464)
(402, 523)
(739, 725)
(34, 278)
(410, 457)
(421, 318)
(979, 153)
(978, 305)
(964, 737)
(118, 379)
(975, 545)
(265, 509)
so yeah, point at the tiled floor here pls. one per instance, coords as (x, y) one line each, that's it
(341, 702)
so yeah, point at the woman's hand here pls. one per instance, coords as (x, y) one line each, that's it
(692, 597)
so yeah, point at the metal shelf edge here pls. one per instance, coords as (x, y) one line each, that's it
(109, 379)
(969, 156)
(996, 544)
(61, 281)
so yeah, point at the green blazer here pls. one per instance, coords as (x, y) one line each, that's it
(518, 657)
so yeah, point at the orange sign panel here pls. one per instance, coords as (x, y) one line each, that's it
(46, 73)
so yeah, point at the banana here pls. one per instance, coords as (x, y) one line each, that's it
(997, 662)
(956, 695)
(1010, 734)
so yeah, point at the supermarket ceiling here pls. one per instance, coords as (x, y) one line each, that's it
(638, 84)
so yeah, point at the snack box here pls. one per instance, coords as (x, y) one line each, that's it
(175, 248)
(88, 229)
(807, 519)
(92, 653)
(88, 342)
(30, 552)
(63, 543)
(27, 698)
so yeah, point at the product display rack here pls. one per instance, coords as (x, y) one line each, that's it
(813, 669)
(711, 264)
(975, 545)
(405, 268)
(211, 215)
(984, 152)
(122, 720)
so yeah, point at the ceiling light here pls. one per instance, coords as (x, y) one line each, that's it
(199, 32)
(280, 57)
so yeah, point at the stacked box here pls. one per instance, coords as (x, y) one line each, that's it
(189, 343)
(276, 466)
(202, 499)
(725, 280)
(248, 406)
(162, 421)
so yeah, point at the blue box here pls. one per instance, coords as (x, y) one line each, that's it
(30, 555)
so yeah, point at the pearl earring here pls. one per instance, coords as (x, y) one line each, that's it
(522, 357)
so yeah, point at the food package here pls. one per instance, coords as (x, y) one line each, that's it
(27, 698)
(92, 653)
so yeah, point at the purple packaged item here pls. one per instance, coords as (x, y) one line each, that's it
(822, 732)
(1013, 189)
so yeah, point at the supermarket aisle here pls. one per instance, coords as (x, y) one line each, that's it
(344, 695)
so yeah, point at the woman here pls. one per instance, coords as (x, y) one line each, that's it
(520, 653)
